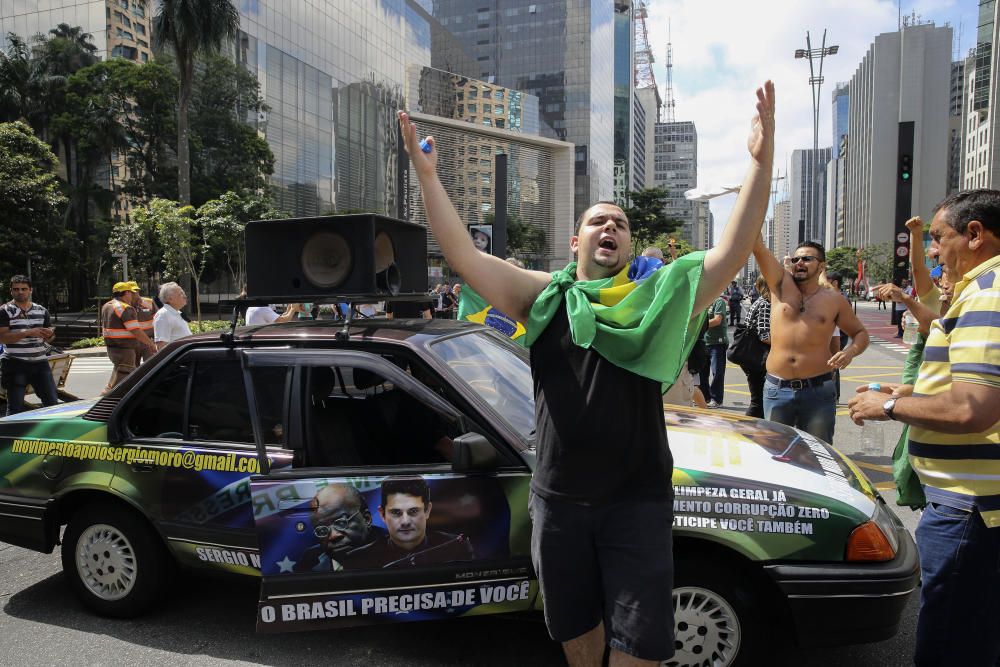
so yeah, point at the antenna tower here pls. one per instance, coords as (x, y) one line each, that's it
(670, 103)
(644, 54)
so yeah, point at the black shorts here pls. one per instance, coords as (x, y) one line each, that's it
(611, 563)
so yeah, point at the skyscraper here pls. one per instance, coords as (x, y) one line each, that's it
(808, 194)
(675, 167)
(981, 157)
(901, 86)
(557, 51)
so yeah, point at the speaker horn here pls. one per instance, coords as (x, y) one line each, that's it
(326, 259)
(386, 272)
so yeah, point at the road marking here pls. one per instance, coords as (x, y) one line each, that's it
(885, 486)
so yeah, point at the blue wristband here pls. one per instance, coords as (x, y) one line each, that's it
(425, 146)
(874, 386)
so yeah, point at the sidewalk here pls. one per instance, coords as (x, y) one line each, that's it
(88, 352)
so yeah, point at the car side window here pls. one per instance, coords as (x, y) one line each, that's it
(356, 417)
(270, 387)
(159, 413)
(219, 408)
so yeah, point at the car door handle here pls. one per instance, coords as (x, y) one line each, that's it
(143, 465)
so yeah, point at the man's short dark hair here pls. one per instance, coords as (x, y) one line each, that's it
(962, 208)
(815, 245)
(410, 486)
(20, 279)
(579, 220)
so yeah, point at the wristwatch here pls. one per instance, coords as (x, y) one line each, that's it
(889, 406)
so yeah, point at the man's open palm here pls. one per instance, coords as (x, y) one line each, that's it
(761, 140)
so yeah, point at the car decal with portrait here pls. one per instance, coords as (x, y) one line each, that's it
(474, 528)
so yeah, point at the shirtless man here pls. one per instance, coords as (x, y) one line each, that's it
(799, 388)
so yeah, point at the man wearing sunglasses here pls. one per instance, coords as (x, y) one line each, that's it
(799, 388)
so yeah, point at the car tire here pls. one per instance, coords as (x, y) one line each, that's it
(116, 564)
(717, 615)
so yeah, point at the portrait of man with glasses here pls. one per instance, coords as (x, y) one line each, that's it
(342, 523)
(799, 388)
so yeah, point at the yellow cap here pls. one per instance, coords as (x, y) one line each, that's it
(127, 286)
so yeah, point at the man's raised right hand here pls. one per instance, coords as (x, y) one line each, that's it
(423, 163)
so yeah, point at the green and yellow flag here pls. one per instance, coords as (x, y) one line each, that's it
(473, 308)
(640, 319)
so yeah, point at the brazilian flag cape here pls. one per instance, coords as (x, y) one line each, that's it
(639, 320)
(473, 308)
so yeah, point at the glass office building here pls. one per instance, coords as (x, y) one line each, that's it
(556, 50)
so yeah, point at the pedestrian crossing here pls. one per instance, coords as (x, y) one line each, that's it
(90, 366)
(893, 345)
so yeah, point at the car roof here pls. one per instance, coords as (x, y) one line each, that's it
(410, 332)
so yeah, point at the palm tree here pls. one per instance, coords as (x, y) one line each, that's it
(191, 27)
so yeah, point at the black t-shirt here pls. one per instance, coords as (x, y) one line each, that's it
(407, 309)
(601, 436)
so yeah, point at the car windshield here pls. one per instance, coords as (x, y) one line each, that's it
(497, 370)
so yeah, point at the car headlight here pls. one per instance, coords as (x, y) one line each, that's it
(874, 540)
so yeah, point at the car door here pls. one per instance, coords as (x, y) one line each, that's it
(190, 450)
(398, 507)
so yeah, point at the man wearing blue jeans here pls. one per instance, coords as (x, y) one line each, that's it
(712, 376)
(24, 330)
(954, 441)
(799, 389)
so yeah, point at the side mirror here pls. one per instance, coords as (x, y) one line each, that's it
(473, 452)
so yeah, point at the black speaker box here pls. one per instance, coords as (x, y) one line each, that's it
(308, 259)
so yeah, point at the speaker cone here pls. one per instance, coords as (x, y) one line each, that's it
(326, 259)
(387, 277)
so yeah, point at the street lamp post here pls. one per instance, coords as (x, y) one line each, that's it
(816, 82)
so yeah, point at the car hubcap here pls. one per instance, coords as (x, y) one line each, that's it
(106, 562)
(706, 629)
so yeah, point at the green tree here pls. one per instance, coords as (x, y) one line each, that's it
(30, 203)
(140, 101)
(524, 241)
(647, 216)
(878, 261)
(191, 27)
(224, 221)
(136, 237)
(185, 251)
(227, 153)
(843, 260)
(663, 240)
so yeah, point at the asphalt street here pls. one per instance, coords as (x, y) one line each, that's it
(211, 622)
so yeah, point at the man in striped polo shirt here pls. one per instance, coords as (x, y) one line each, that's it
(24, 330)
(954, 441)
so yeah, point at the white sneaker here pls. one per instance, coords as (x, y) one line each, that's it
(713, 404)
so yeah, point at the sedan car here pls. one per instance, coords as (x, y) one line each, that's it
(379, 472)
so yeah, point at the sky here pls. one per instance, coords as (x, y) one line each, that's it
(724, 49)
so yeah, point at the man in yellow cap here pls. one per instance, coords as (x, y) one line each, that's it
(123, 334)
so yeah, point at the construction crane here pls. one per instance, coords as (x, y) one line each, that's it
(644, 54)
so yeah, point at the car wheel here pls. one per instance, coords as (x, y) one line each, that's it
(713, 622)
(115, 563)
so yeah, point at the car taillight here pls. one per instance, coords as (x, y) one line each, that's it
(868, 543)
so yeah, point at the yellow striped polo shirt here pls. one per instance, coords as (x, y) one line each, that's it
(963, 470)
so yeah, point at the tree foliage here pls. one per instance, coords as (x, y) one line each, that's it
(189, 28)
(878, 260)
(647, 216)
(226, 152)
(182, 239)
(843, 260)
(224, 221)
(30, 204)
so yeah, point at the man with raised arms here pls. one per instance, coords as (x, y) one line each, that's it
(603, 471)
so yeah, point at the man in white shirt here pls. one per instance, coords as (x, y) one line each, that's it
(257, 315)
(168, 325)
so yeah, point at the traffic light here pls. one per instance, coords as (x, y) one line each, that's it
(904, 168)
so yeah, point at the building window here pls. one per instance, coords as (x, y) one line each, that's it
(472, 108)
(498, 94)
(140, 29)
(498, 109)
(499, 122)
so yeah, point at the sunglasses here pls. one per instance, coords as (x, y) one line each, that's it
(805, 258)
